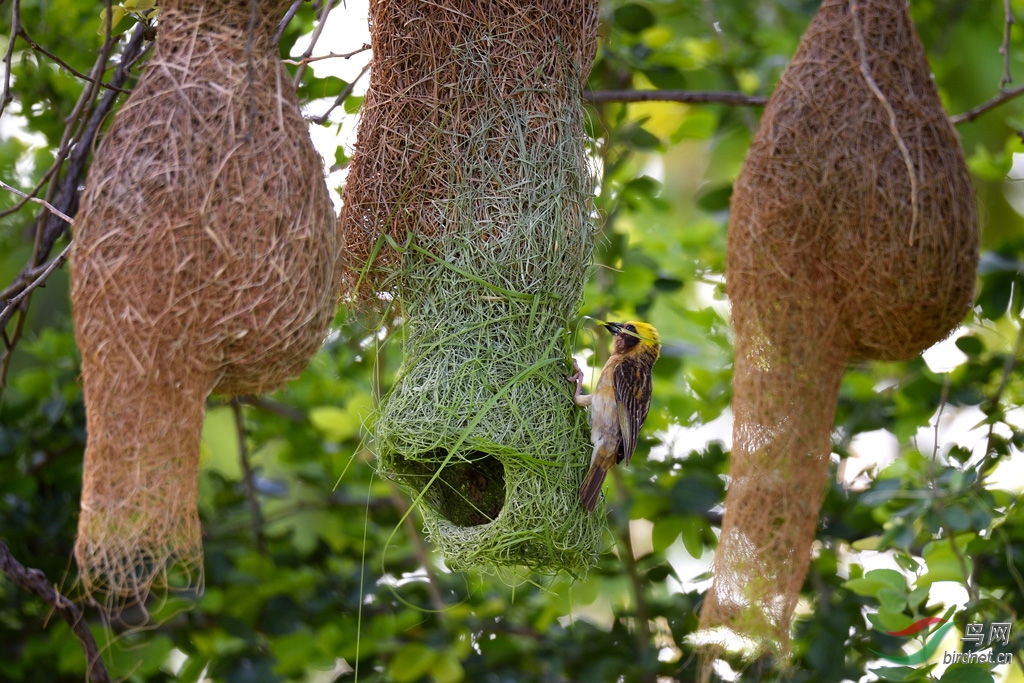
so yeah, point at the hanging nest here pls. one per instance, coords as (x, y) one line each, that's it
(204, 259)
(469, 199)
(852, 236)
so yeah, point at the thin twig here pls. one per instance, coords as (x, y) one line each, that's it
(64, 65)
(420, 550)
(972, 590)
(1008, 367)
(75, 146)
(9, 343)
(287, 19)
(11, 305)
(322, 21)
(641, 618)
(1005, 49)
(340, 98)
(53, 209)
(1003, 97)
(45, 235)
(275, 407)
(27, 197)
(34, 581)
(250, 480)
(79, 113)
(7, 97)
(684, 96)
(68, 193)
(739, 99)
(332, 55)
(865, 69)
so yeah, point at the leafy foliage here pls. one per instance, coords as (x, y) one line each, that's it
(331, 573)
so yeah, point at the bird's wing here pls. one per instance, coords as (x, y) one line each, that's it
(633, 398)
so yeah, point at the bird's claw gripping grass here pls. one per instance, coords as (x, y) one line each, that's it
(576, 377)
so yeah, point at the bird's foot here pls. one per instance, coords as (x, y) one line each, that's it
(577, 377)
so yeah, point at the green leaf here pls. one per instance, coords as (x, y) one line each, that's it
(900, 674)
(693, 536)
(970, 345)
(995, 294)
(411, 662)
(633, 17)
(353, 103)
(967, 673)
(337, 424)
(988, 166)
(942, 563)
(220, 442)
(642, 139)
(715, 199)
(869, 543)
(892, 600)
(447, 669)
(877, 580)
(117, 13)
(665, 77)
(698, 124)
(888, 620)
(666, 530)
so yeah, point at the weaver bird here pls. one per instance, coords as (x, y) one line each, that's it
(619, 404)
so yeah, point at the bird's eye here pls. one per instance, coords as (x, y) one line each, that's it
(631, 328)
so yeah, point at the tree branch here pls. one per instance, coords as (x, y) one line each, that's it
(29, 280)
(740, 100)
(1005, 49)
(340, 98)
(35, 582)
(67, 197)
(7, 97)
(1002, 97)
(250, 481)
(37, 200)
(327, 8)
(275, 407)
(64, 65)
(287, 19)
(684, 96)
(331, 55)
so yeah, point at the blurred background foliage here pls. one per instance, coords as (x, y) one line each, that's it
(312, 568)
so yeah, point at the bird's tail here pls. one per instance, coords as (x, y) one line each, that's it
(590, 489)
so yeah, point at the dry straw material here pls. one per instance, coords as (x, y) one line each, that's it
(204, 259)
(469, 199)
(853, 236)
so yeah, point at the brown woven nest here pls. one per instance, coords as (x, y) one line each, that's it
(470, 200)
(852, 236)
(204, 259)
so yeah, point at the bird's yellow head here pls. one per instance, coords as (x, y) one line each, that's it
(635, 337)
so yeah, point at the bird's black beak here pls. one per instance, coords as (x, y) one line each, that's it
(614, 328)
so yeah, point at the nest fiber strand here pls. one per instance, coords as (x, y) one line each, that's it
(470, 199)
(852, 236)
(204, 259)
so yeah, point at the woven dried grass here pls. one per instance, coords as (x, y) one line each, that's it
(205, 259)
(469, 199)
(853, 235)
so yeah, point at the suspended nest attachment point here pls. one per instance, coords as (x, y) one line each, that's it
(852, 236)
(469, 198)
(204, 260)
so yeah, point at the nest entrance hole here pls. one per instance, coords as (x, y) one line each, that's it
(469, 489)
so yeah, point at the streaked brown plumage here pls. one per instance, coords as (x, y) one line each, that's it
(620, 402)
